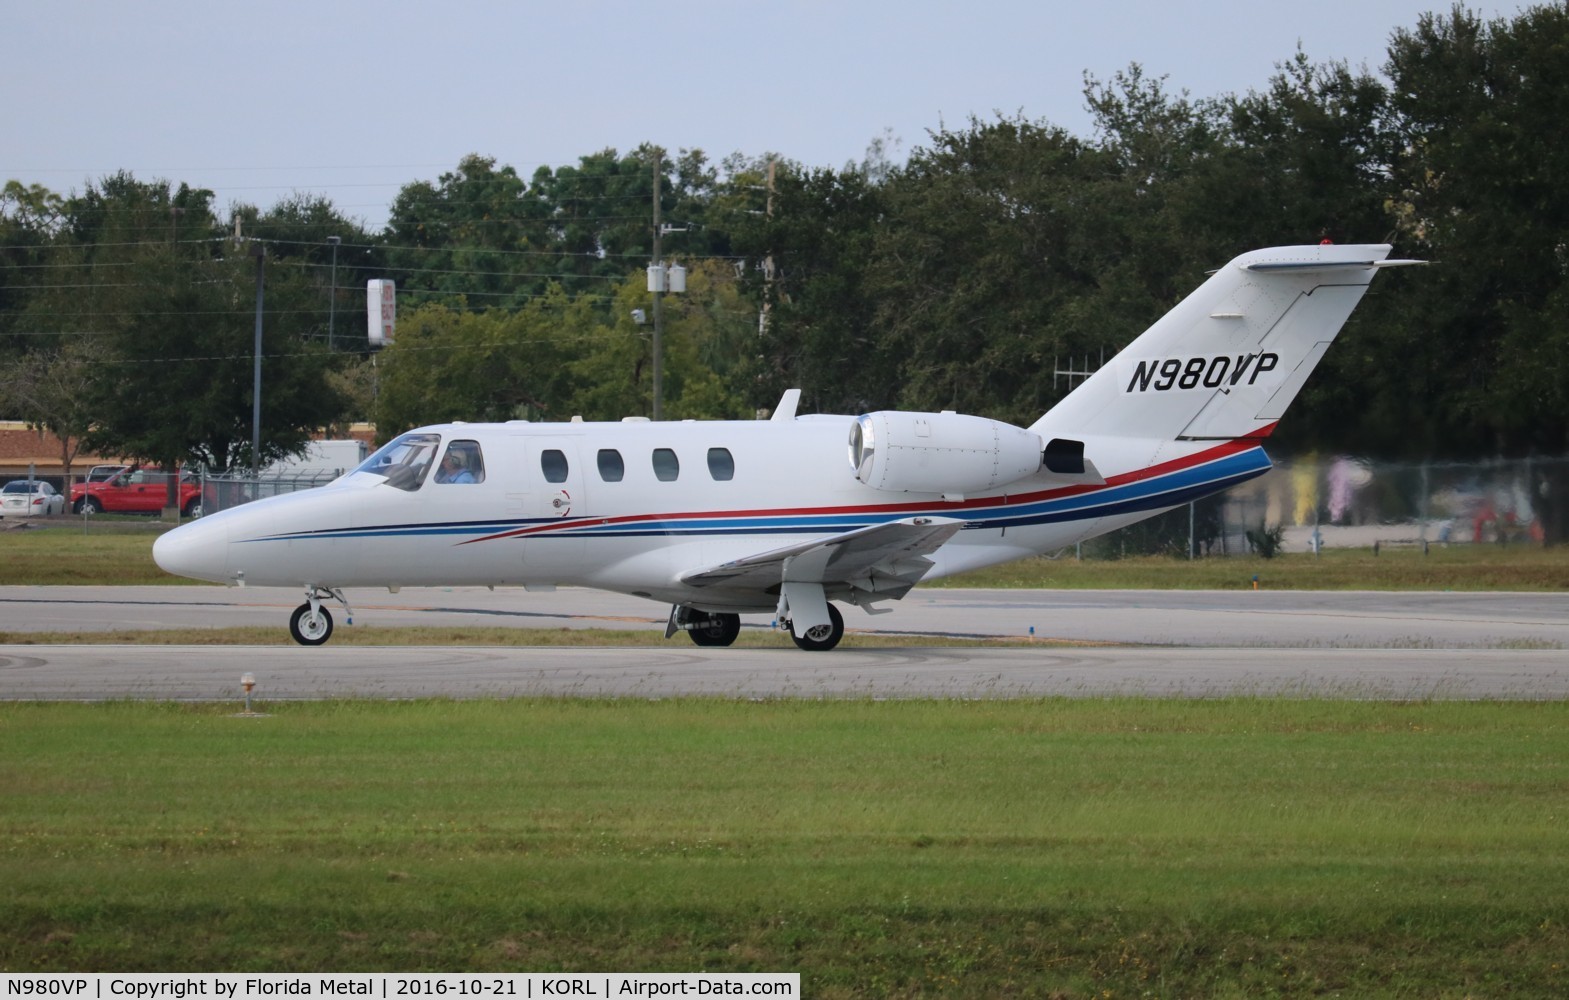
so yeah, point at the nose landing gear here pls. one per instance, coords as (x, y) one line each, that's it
(311, 624)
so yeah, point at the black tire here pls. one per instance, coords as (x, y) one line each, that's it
(193, 507)
(89, 505)
(824, 637)
(722, 632)
(308, 629)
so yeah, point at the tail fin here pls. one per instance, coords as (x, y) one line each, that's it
(1228, 359)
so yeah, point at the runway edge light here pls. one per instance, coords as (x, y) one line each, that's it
(248, 682)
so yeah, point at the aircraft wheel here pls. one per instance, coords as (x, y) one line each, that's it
(310, 628)
(822, 638)
(722, 633)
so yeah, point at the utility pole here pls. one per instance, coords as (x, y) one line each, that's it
(659, 293)
(332, 299)
(259, 251)
(171, 470)
(768, 262)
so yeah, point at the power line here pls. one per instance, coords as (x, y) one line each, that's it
(588, 254)
(607, 334)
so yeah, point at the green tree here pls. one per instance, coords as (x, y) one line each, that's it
(1303, 160)
(30, 220)
(985, 266)
(298, 233)
(475, 236)
(1480, 106)
(561, 356)
(145, 275)
(601, 215)
(48, 388)
(181, 368)
(706, 332)
(1307, 159)
(452, 364)
(806, 244)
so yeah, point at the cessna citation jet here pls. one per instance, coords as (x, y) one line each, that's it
(798, 513)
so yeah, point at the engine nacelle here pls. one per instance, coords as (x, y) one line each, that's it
(940, 452)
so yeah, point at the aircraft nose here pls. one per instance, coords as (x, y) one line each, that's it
(199, 550)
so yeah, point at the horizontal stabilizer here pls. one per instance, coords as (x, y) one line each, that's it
(1311, 266)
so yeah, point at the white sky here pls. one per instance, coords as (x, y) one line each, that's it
(354, 99)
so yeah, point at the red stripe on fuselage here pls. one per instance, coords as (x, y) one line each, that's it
(1219, 451)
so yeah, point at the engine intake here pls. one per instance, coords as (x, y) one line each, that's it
(945, 452)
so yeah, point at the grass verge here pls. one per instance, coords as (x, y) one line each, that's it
(1458, 567)
(1031, 848)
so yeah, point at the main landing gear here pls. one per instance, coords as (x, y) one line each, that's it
(706, 628)
(716, 628)
(311, 624)
(821, 638)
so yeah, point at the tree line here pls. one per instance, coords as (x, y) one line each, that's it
(1002, 251)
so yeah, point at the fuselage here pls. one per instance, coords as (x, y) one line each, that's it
(633, 506)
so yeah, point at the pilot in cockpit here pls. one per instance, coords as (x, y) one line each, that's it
(454, 467)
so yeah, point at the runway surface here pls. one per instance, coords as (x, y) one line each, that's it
(212, 673)
(1163, 617)
(1186, 644)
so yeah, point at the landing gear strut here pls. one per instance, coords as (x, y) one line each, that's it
(311, 624)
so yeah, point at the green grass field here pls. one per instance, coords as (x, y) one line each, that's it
(70, 552)
(1106, 848)
(1110, 848)
(122, 554)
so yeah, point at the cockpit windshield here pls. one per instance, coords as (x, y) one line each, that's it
(404, 461)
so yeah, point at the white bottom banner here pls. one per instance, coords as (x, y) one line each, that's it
(396, 986)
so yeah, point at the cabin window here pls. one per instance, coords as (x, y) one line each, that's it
(463, 463)
(666, 466)
(403, 462)
(721, 464)
(611, 468)
(553, 464)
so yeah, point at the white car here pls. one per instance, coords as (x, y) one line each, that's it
(26, 497)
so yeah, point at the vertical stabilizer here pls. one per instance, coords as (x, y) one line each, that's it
(1227, 360)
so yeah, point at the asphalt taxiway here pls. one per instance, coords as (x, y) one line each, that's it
(1178, 643)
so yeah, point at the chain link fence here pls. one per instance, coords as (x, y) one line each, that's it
(223, 492)
(1312, 503)
(1341, 502)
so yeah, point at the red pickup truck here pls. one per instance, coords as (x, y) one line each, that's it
(135, 491)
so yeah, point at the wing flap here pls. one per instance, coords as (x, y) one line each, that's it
(879, 559)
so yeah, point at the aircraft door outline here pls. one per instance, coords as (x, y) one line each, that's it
(555, 492)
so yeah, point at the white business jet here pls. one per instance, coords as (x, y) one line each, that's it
(794, 514)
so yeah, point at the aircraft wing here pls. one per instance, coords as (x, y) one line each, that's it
(883, 560)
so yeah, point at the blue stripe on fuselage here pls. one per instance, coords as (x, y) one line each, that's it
(1156, 492)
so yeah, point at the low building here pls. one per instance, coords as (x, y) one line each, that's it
(28, 451)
